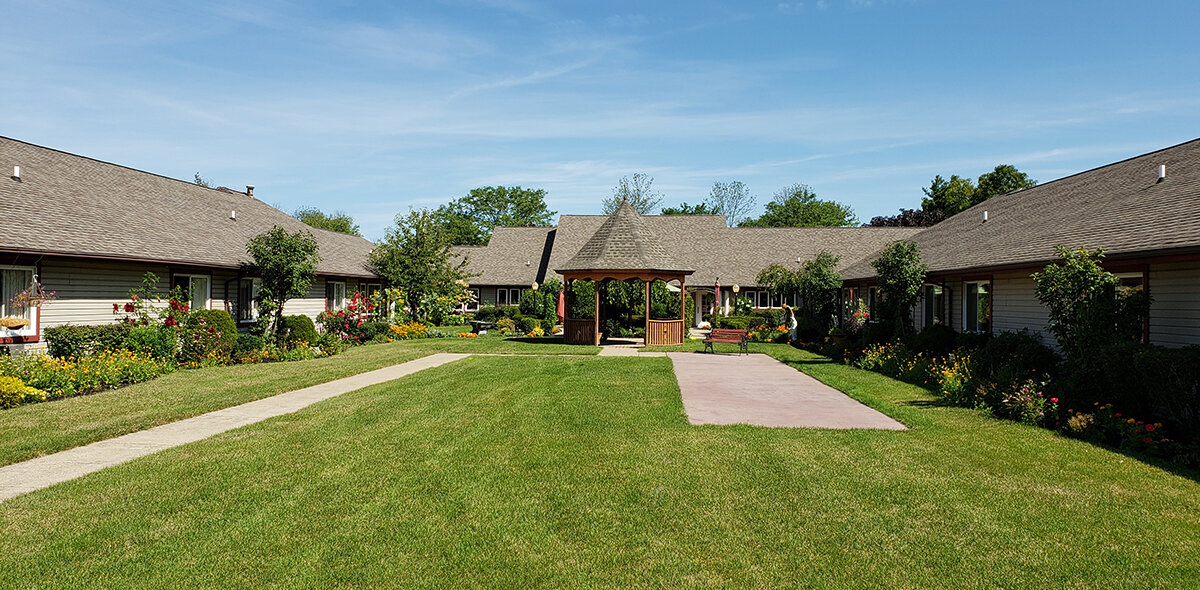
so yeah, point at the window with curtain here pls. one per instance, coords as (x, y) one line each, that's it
(247, 291)
(13, 280)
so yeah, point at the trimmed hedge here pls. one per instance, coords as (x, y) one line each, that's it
(298, 328)
(79, 341)
(492, 313)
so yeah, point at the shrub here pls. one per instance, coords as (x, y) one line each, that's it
(492, 313)
(297, 328)
(219, 322)
(12, 392)
(505, 325)
(375, 330)
(736, 322)
(329, 344)
(1010, 358)
(936, 340)
(528, 324)
(70, 341)
(1028, 404)
(248, 343)
(156, 341)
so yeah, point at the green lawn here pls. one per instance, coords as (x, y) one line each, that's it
(583, 472)
(38, 429)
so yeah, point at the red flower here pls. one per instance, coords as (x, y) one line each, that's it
(134, 297)
(116, 308)
(1148, 439)
(1054, 400)
(1117, 415)
(129, 307)
(1149, 428)
(171, 322)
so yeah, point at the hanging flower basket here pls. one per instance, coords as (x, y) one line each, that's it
(14, 323)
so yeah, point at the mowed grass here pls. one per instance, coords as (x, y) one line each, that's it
(38, 429)
(583, 472)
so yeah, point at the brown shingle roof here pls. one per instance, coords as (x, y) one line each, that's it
(1121, 207)
(623, 242)
(513, 256)
(73, 205)
(701, 242)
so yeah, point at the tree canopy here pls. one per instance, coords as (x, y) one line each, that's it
(415, 256)
(637, 190)
(287, 264)
(944, 198)
(798, 206)
(686, 209)
(470, 220)
(201, 181)
(731, 199)
(338, 221)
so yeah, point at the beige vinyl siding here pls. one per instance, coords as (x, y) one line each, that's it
(1175, 311)
(313, 303)
(86, 291)
(1015, 306)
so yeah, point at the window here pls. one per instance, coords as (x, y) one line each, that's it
(1129, 281)
(777, 300)
(13, 280)
(197, 288)
(508, 296)
(977, 307)
(934, 305)
(335, 295)
(247, 309)
(764, 299)
(873, 298)
(501, 296)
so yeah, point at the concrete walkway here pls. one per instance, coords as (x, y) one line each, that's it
(35, 474)
(759, 390)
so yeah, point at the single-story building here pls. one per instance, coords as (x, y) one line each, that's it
(90, 230)
(1144, 212)
(518, 257)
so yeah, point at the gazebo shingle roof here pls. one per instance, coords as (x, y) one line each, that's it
(624, 242)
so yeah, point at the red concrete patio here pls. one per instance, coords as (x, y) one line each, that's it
(759, 390)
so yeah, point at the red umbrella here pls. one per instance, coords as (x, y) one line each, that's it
(561, 309)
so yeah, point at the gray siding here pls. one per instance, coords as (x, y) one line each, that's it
(1175, 312)
(87, 291)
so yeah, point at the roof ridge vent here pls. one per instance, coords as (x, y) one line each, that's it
(1162, 172)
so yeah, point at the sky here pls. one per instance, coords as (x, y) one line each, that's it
(373, 108)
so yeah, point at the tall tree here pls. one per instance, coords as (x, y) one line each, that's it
(470, 220)
(637, 190)
(798, 206)
(909, 218)
(338, 221)
(818, 284)
(200, 180)
(948, 196)
(686, 209)
(287, 264)
(731, 199)
(415, 256)
(1003, 179)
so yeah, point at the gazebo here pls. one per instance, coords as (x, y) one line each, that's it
(623, 249)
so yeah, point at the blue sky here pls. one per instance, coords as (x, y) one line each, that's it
(373, 108)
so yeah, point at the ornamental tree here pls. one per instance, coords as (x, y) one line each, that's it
(416, 257)
(287, 263)
(901, 274)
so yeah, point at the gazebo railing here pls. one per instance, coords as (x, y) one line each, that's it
(580, 331)
(665, 332)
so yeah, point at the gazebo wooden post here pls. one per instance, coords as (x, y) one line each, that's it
(682, 301)
(646, 332)
(596, 333)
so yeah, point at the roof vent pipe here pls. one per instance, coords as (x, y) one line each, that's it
(16, 173)
(249, 190)
(985, 216)
(1162, 172)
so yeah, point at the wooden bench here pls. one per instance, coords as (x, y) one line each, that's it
(728, 336)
